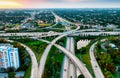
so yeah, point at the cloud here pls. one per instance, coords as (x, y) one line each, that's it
(69, 3)
(72, 0)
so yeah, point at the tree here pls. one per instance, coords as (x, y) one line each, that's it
(10, 69)
(11, 75)
(81, 76)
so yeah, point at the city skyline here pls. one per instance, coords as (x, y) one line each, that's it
(59, 4)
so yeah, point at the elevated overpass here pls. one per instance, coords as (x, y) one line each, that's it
(74, 59)
(47, 34)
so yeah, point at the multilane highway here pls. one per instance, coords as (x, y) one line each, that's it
(37, 72)
(64, 34)
(97, 71)
(65, 65)
(74, 59)
(72, 68)
(45, 54)
(68, 68)
(34, 69)
(84, 71)
(48, 34)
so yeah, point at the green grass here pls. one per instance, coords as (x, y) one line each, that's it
(85, 58)
(38, 48)
(50, 38)
(27, 72)
(59, 26)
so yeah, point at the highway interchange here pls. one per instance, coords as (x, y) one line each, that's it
(71, 62)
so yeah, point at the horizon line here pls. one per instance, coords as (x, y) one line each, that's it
(67, 8)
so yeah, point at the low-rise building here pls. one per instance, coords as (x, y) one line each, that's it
(112, 45)
(9, 56)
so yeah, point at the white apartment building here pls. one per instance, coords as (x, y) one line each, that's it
(9, 56)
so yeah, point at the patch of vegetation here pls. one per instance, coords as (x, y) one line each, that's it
(49, 38)
(53, 64)
(54, 61)
(59, 26)
(44, 25)
(27, 72)
(81, 76)
(109, 58)
(83, 55)
(36, 46)
(24, 59)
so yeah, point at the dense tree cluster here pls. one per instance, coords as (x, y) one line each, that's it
(25, 60)
(24, 57)
(13, 16)
(109, 59)
(91, 16)
(45, 16)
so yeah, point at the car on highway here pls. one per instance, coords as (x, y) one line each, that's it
(64, 69)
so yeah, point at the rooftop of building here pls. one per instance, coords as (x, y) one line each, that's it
(5, 46)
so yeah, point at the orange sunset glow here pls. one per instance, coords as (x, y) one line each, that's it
(59, 4)
(10, 4)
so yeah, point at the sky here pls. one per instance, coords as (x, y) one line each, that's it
(59, 3)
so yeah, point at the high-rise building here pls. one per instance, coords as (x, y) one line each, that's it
(9, 56)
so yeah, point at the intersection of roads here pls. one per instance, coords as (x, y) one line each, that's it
(70, 63)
